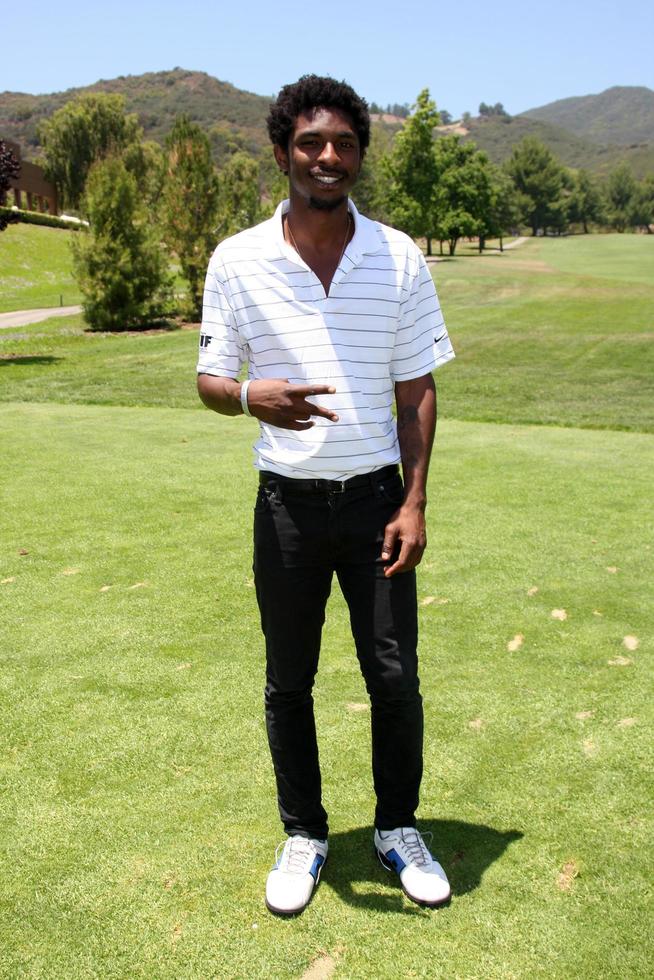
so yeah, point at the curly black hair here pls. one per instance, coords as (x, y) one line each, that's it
(313, 92)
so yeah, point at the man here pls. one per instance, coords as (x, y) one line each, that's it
(337, 317)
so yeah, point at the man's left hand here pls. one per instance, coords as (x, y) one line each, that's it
(406, 527)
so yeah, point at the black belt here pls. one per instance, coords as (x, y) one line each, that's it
(329, 486)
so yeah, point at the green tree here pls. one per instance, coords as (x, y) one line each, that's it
(119, 263)
(642, 211)
(83, 131)
(461, 194)
(9, 170)
(189, 204)
(621, 192)
(585, 200)
(503, 213)
(239, 198)
(370, 193)
(539, 178)
(408, 172)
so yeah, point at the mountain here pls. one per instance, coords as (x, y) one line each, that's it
(229, 115)
(498, 135)
(596, 131)
(622, 115)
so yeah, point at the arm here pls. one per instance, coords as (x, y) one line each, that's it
(274, 400)
(416, 425)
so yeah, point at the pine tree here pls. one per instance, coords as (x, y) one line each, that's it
(189, 204)
(119, 264)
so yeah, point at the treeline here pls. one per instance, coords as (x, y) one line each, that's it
(152, 207)
(441, 188)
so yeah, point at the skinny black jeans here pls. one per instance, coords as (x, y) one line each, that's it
(301, 537)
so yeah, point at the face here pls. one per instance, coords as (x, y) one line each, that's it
(323, 158)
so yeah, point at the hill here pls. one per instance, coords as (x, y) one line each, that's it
(229, 115)
(497, 135)
(622, 115)
(233, 118)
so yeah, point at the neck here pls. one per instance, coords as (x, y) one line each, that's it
(315, 226)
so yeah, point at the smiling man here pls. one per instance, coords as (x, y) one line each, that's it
(337, 319)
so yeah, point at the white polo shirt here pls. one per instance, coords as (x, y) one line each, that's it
(380, 323)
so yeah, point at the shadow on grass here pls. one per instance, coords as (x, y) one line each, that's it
(465, 850)
(29, 359)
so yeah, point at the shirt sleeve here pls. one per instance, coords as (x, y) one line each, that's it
(222, 352)
(421, 342)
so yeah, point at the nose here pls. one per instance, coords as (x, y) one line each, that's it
(328, 154)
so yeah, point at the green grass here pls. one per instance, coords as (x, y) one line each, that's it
(134, 770)
(36, 268)
(543, 334)
(135, 773)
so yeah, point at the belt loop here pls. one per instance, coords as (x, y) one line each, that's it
(278, 493)
(374, 480)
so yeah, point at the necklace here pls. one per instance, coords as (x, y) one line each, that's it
(295, 245)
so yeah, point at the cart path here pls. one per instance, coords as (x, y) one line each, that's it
(21, 318)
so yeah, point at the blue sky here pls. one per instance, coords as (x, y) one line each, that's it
(519, 53)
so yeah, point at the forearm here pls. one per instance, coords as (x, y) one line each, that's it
(416, 426)
(222, 395)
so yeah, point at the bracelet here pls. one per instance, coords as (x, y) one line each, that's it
(244, 398)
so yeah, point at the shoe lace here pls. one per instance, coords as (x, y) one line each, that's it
(297, 855)
(416, 847)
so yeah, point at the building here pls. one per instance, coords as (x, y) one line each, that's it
(31, 191)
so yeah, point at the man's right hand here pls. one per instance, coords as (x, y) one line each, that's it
(285, 405)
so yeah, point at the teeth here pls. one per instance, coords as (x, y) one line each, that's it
(327, 180)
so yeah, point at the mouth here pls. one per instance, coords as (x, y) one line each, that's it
(327, 180)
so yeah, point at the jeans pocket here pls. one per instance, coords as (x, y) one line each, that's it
(392, 490)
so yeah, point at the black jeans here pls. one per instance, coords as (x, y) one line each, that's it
(300, 538)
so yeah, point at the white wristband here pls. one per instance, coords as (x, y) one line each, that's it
(244, 398)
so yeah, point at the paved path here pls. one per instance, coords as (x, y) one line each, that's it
(20, 318)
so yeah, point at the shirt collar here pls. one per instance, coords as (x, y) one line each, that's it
(365, 241)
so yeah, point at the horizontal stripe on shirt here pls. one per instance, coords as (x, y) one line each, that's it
(380, 323)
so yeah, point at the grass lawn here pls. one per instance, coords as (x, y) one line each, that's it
(36, 268)
(137, 811)
(535, 344)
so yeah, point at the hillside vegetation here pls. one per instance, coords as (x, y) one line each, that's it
(498, 135)
(622, 114)
(595, 132)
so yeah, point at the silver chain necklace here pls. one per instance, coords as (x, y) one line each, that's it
(295, 245)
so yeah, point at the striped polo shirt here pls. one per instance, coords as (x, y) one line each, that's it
(380, 323)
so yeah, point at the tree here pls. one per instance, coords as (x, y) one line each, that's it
(461, 194)
(621, 191)
(370, 193)
(82, 132)
(503, 213)
(239, 199)
(585, 201)
(120, 267)
(9, 170)
(539, 178)
(493, 110)
(189, 204)
(642, 211)
(409, 172)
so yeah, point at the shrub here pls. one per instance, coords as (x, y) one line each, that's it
(38, 218)
(119, 263)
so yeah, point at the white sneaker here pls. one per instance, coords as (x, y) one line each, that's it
(403, 850)
(295, 874)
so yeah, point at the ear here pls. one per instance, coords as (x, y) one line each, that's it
(281, 156)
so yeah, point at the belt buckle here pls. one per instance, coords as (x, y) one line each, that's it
(337, 486)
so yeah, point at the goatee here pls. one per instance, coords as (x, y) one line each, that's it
(319, 204)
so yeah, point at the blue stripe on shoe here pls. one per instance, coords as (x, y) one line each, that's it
(318, 862)
(394, 860)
